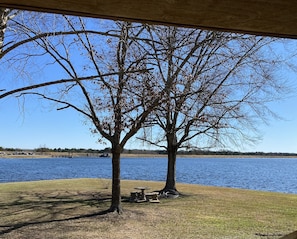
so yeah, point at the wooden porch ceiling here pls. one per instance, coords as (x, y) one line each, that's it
(261, 17)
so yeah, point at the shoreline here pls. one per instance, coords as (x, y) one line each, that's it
(9, 155)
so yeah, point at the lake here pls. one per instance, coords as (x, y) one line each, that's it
(265, 174)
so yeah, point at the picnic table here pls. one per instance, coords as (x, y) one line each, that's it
(142, 194)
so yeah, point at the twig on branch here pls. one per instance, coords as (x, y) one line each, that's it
(62, 108)
(67, 104)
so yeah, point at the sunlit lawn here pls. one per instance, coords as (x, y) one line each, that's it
(74, 209)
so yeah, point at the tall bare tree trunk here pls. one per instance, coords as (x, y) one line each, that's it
(116, 205)
(171, 177)
(172, 147)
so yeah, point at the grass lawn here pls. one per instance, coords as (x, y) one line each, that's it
(73, 209)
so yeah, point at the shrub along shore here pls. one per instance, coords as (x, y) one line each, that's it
(74, 209)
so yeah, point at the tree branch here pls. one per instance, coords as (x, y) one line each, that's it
(31, 87)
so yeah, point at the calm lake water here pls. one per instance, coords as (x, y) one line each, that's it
(266, 174)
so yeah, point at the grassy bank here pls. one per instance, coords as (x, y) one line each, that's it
(73, 209)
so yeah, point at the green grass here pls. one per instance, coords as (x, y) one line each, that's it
(73, 209)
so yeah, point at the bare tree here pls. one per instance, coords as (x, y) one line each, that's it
(107, 79)
(221, 84)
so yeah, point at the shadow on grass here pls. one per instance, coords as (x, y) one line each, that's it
(41, 208)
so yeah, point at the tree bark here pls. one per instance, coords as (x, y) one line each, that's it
(116, 205)
(3, 24)
(171, 167)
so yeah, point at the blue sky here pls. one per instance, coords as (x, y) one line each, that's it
(280, 135)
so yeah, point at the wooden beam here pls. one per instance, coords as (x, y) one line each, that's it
(261, 17)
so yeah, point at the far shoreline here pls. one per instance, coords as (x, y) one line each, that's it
(9, 155)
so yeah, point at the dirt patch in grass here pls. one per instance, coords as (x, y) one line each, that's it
(76, 209)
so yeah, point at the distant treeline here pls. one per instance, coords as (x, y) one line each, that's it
(231, 153)
(142, 151)
(208, 152)
(62, 150)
